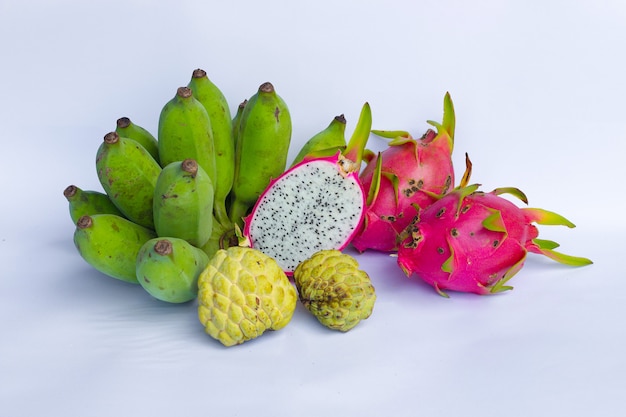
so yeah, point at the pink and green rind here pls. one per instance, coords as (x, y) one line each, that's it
(410, 174)
(482, 245)
(331, 160)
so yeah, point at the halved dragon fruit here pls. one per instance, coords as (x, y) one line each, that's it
(407, 176)
(472, 241)
(317, 204)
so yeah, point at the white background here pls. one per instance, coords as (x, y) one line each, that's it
(538, 88)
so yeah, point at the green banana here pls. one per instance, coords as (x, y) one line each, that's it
(262, 146)
(216, 106)
(127, 129)
(325, 143)
(235, 129)
(128, 175)
(236, 121)
(183, 202)
(110, 244)
(88, 202)
(185, 132)
(168, 269)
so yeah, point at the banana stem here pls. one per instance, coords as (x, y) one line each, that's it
(238, 210)
(221, 214)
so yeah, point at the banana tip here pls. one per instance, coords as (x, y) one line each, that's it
(123, 122)
(266, 87)
(163, 247)
(70, 191)
(184, 92)
(111, 138)
(84, 222)
(199, 73)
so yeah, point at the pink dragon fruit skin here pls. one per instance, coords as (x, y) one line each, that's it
(317, 204)
(410, 174)
(471, 241)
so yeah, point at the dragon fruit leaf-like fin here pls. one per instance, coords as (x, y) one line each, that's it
(401, 140)
(449, 121)
(500, 286)
(541, 216)
(543, 248)
(391, 134)
(440, 291)
(468, 172)
(395, 181)
(404, 269)
(368, 155)
(448, 265)
(356, 146)
(462, 193)
(515, 192)
(375, 185)
(546, 244)
(494, 221)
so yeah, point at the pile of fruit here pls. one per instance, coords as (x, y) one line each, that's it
(209, 211)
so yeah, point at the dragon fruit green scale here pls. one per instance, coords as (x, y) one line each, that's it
(241, 294)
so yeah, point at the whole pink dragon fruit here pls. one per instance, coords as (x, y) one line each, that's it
(317, 204)
(472, 241)
(407, 176)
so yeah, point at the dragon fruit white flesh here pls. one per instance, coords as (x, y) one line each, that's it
(407, 176)
(317, 204)
(472, 241)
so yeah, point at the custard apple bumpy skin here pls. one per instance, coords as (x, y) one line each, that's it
(333, 288)
(242, 293)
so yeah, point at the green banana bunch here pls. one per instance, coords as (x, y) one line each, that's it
(88, 203)
(262, 145)
(128, 129)
(216, 106)
(325, 143)
(168, 269)
(128, 175)
(110, 244)
(185, 132)
(183, 202)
